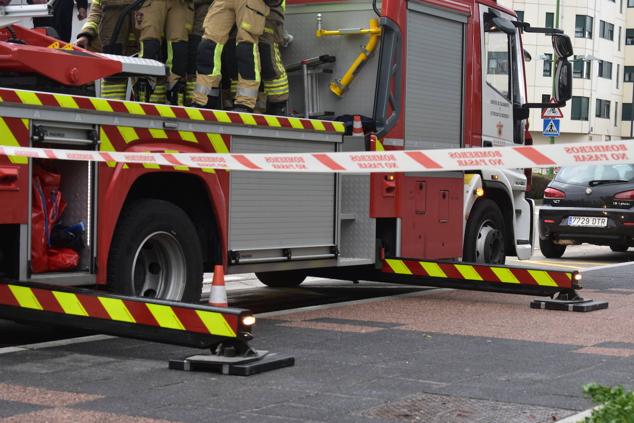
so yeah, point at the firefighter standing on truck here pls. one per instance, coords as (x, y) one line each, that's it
(201, 7)
(274, 76)
(249, 16)
(96, 35)
(171, 21)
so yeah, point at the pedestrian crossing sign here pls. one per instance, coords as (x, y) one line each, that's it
(552, 112)
(551, 127)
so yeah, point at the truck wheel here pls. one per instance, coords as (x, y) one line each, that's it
(619, 248)
(156, 253)
(484, 234)
(550, 249)
(287, 279)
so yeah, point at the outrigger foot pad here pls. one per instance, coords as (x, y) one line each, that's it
(568, 300)
(232, 359)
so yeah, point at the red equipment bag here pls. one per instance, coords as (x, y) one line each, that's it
(46, 211)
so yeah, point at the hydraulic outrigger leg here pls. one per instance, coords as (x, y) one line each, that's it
(225, 331)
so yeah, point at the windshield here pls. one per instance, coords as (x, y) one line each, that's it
(588, 175)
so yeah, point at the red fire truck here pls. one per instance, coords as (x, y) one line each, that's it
(435, 74)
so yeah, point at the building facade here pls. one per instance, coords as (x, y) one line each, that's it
(603, 66)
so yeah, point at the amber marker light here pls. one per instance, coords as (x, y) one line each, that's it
(479, 192)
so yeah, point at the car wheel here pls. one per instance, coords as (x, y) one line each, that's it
(550, 249)
(156, 253)
(484, 234)
(619, 248)
(287, 279)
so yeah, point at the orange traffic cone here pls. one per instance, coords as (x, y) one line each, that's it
(357, 126)
(218, 294)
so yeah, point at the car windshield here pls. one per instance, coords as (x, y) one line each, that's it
(594, 175)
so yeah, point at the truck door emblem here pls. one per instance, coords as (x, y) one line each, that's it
(588, 191)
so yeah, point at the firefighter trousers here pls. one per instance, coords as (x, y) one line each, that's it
(249, 17)
(169, 20)
(274, 76)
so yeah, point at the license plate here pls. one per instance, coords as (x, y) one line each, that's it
(588, 222)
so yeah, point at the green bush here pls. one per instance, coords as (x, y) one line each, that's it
(616, 404)
(539, 184)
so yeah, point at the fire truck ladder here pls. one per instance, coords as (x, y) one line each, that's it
(561, 286)
(225, 331)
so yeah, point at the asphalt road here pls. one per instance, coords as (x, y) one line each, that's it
(425, 355)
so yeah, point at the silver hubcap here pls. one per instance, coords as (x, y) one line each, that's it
(489, 244)
(159, 269)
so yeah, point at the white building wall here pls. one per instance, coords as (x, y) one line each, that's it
(595, 49)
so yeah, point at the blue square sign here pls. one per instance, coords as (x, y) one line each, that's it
(551, 127)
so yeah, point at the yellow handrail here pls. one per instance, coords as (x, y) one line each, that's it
(339, 86)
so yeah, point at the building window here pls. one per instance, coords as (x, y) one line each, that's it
(616, 113)
(579, 108)
(545, 100)
(606, 30)
(630, 3)
(581, 69)
(629, 36)
(628, 73)
(618, 71)
(550, 20)
(605, 69)
(583, 26)
(520, 15)
(621, 6)
(626, 112)
(548, 65)
(603, 109)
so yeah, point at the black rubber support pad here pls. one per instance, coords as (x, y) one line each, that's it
(271, 361)
(582, 307)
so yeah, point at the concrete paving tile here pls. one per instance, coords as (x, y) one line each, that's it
(40, 396)
(65, 415)
(14, 408)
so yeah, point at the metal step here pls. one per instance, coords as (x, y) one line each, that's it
(138, 66)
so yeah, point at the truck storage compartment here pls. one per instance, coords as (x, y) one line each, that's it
(61, 216)
(281, 217)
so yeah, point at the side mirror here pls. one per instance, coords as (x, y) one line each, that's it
(562, 45)
(503, 25)
(563, 75)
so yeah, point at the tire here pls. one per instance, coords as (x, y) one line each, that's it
(550, 249)
(619, 248)
(484, 235)
(156, 253)
(288, 279)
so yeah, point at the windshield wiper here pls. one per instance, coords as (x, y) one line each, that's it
(604, 181)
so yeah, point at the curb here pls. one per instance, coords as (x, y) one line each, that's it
(579, 417)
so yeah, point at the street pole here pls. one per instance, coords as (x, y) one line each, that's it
(552, 69)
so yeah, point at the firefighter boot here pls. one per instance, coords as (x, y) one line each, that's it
(277, 108)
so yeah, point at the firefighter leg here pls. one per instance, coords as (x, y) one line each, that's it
(250, 21)
(229, 81)
(200, 11)
(217, 25)
(150, 21)
(180, 20)
(274, 77)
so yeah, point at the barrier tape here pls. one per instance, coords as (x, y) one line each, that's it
(545, 156)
